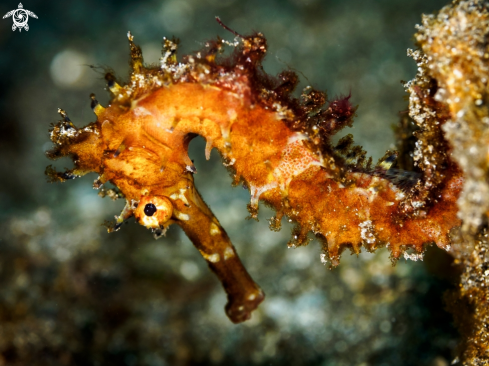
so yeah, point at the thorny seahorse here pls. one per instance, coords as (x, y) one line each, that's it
(278, 146)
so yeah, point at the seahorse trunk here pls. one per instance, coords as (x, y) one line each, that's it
(277, 165)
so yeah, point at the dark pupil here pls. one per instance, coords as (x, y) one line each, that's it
(149, 209)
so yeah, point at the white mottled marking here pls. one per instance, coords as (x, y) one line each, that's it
(296, 158)
(414, 257)
(213, 258)
(231, 162)
(180, 196)
(181, 216)
(228, 253)
(150, 221)
(256, 192)
(141, 111)
(367, 231)
(215, 231)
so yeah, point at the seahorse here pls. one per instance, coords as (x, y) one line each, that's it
(278, 146)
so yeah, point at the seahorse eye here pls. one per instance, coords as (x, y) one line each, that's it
(153, 212)
(150, 209)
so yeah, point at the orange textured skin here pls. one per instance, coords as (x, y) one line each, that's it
(139, 143)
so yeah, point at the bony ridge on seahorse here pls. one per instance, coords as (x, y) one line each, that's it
(277, 145)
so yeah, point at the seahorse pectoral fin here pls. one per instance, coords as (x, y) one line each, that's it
(205, 232)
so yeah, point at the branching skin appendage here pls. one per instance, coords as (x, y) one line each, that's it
(276, 145)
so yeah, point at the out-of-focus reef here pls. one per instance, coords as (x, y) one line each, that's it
(70, 296)
(453, 64)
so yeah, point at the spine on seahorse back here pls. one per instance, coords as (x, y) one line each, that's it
(278, 146)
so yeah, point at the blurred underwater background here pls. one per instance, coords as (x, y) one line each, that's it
(71, 294)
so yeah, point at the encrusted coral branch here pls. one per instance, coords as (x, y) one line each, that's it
(278, 146)
(454, 59)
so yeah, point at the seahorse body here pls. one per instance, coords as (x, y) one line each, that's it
(278, 146)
